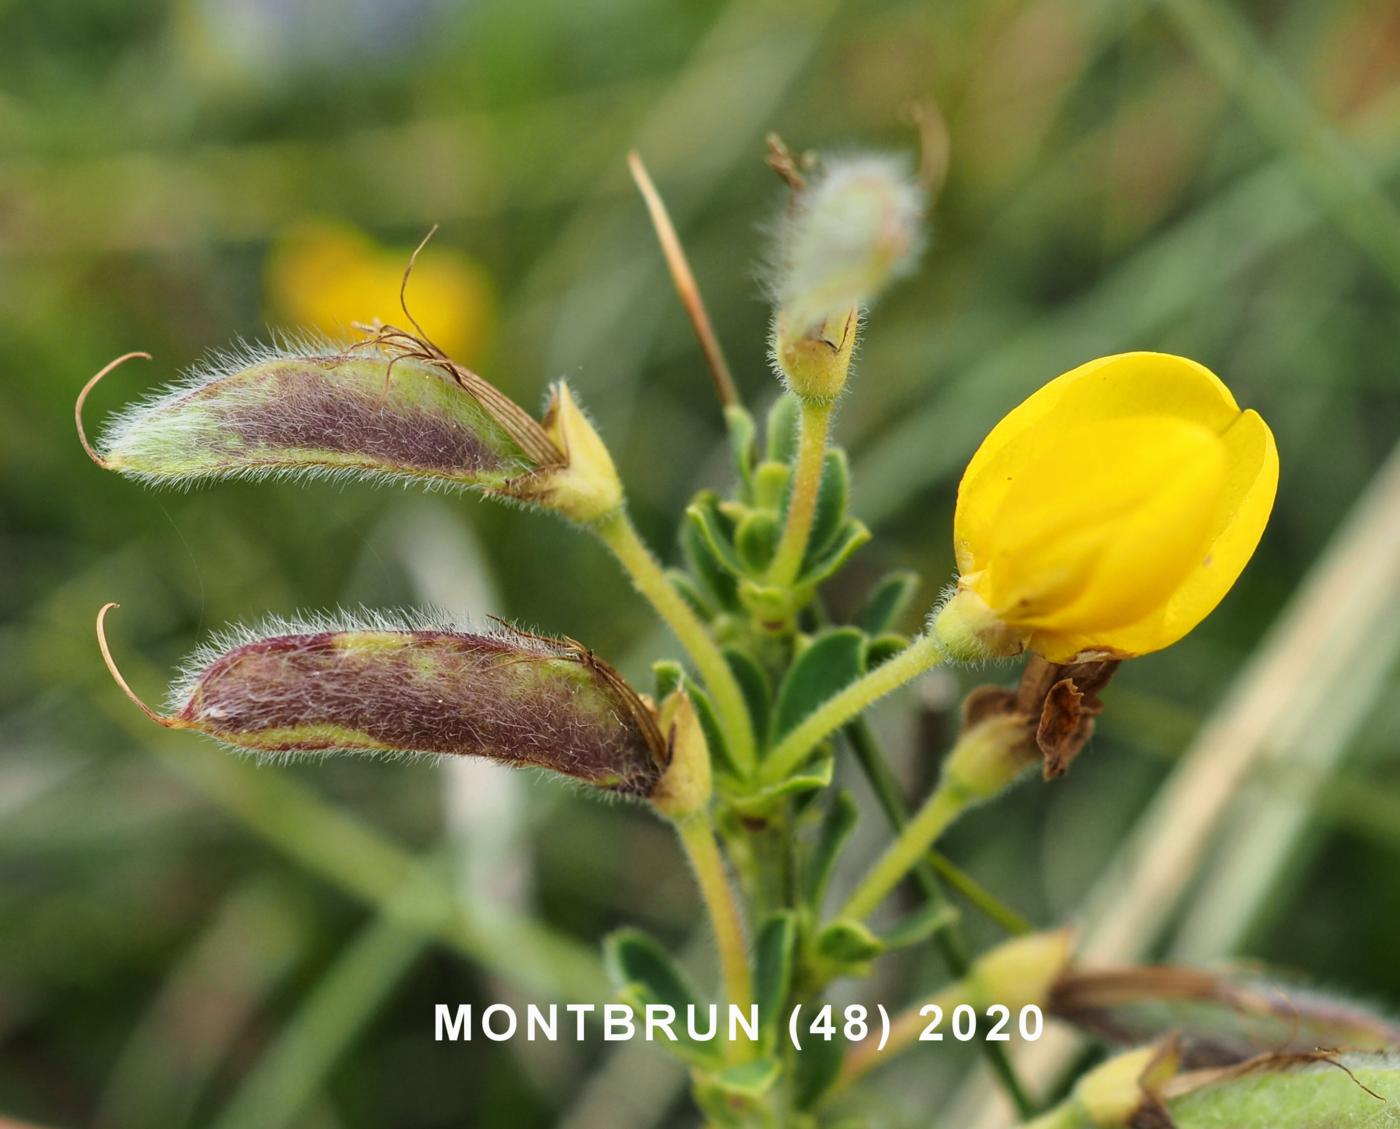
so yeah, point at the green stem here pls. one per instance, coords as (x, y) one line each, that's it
(977, 895)
(618, 533)
(920, 656)
(697, 836)
(949, 939)
(945, 805)
(802, 498)
(1067, 1115)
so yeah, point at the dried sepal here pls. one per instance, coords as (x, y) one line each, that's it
(1057, 704)
(386, 687)
(391, 406)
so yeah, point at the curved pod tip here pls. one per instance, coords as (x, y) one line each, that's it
(78, 418)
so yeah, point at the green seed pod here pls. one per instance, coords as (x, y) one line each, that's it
(390, 407)
(1316, 1091)
(377, 686)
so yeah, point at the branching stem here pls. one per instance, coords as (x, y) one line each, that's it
(949, 800)
(788, 755)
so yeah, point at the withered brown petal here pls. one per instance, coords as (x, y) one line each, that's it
(1066, 724)
(516, 698)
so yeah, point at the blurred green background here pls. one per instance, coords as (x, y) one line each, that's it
(188, 939)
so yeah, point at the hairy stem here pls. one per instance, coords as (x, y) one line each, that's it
(618, 533)
(788, 755)
(908, 850)
(802, 500)
(698, 838)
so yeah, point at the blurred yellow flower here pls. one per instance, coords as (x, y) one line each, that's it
(327, 276)
(1111, 511)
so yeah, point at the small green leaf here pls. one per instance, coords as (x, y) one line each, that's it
(882, 649)
(812, 777)
(766, 603)
(829, 664)
(756, 539)
(919, 926)
(815, 1068)
(839, 822)
(690, 593)
(849, 942)
(667, 678)
(705, 515)
(755, 686)
(887, 602)
(852, 535)
(769, 485)
(782, 429)
(731, 1097)
(644, 973)
(773, 975)
(710, 723)
(717, 581)
(740, 426)
(831, 506)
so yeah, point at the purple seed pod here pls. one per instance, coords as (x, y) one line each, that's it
(377, 687)
(389, 407)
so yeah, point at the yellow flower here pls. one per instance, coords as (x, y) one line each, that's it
(328, 276)
(1110, 512)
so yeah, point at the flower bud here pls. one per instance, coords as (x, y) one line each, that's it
(1118, 1093)
(814, 360)
(1108, 514)
(1023, 971)
(844, 238)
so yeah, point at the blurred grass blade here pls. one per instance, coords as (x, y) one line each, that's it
(1344, 187)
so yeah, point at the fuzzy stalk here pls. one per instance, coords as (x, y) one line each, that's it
(922, 655)
(697, 837)
(814, 426)
(949, 800)
(618, 533)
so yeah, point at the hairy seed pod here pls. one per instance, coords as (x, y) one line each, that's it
(516, 698)
(1323, 1090)
(390, 407)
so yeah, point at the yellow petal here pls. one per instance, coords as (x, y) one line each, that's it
(1237, 523)
(1127, 384)
(328, 277)
(1114, 508)
(1079, 550)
